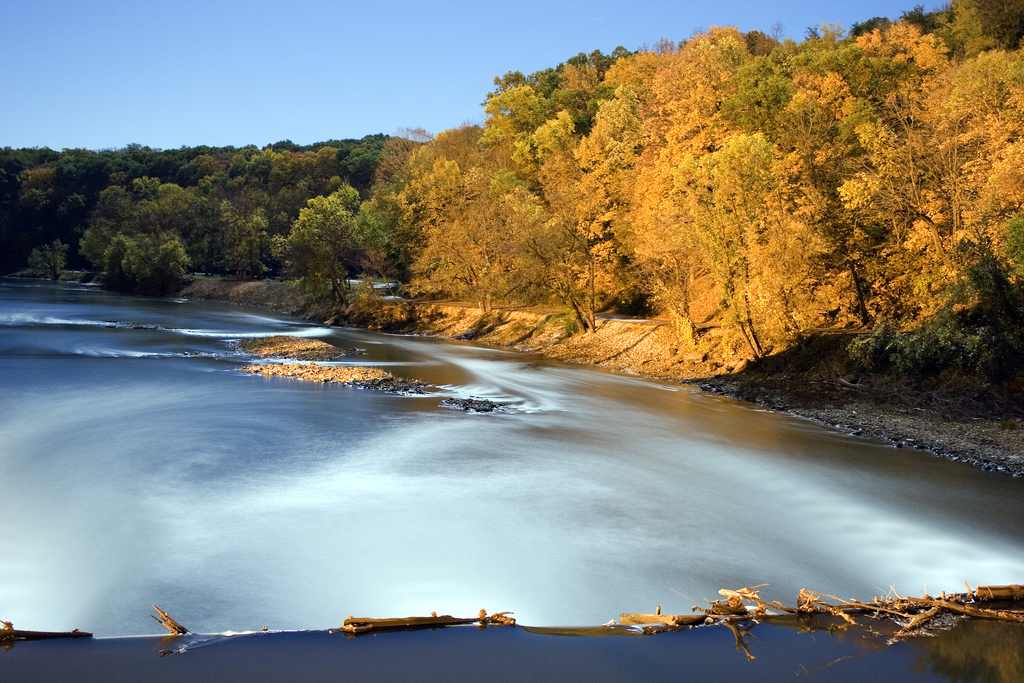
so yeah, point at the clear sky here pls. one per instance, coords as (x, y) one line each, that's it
(98, 74)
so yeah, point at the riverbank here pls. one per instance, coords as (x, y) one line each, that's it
(809, 382)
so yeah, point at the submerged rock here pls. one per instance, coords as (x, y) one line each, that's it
(471, 405)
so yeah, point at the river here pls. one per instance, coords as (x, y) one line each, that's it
(138, 465)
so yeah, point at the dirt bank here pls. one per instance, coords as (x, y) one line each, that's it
(950, 423)
(276, 295)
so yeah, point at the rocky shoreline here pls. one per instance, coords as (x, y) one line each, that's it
(985, 444)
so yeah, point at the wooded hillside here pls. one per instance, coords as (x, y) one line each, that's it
(869, 179)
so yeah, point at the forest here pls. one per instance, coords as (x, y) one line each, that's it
(869, 178)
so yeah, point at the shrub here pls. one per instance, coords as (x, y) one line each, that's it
(48, 260)
(146, 264)
(942, 344)
(370, 309)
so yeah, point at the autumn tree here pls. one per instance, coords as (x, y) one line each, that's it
(469, 250)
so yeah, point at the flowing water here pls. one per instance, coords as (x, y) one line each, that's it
(138, 465)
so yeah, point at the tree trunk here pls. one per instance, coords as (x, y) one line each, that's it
(591, 298)
(858, 288)
(580, 318)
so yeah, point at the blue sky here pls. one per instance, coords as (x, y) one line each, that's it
(97, 74)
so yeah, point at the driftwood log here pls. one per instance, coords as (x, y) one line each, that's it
(359, 625)
(9, 634)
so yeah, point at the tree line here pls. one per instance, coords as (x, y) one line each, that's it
(733, 182)
(145, 217)
(757, 187)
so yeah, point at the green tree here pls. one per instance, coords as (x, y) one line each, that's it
(49, 259)
(114, 213)
(245, 240)
(145, 264)
(322, 249)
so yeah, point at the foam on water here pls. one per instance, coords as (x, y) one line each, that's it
(230, 334)
(126, 353)
(28, 319)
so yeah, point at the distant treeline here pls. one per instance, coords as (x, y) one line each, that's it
(215, 201)
(737, 182)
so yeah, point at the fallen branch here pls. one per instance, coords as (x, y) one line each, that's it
(359, 625)
(641, 619)
(976, 612)
(1010, 593)
(917, 621)
(168, 622)
(9, 634)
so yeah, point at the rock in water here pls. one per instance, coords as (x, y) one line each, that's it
(471, 405)
(292, 347)
(356, 376)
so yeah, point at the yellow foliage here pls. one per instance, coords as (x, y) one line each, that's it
(848, 196)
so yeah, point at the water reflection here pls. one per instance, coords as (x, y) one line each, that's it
(975, 652)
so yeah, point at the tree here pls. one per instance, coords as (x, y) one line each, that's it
(245, 240)
(469, 249)
(980, 25)
(322, 248)
(49, 260)
(114, 213)
(145, 264)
